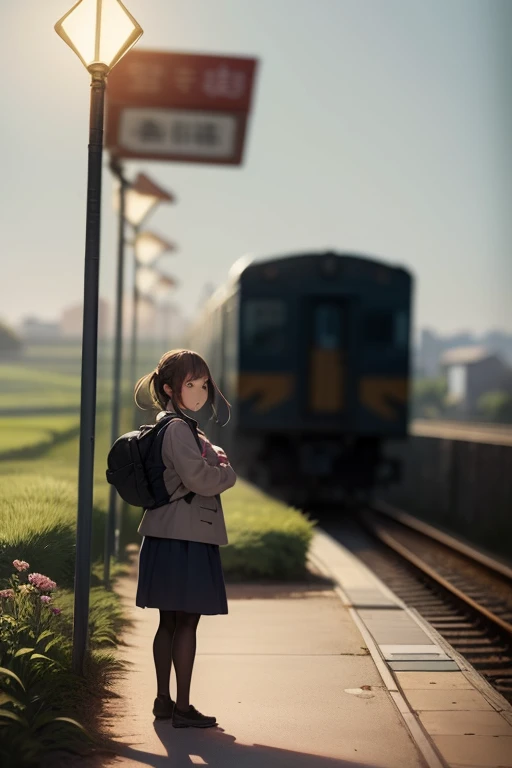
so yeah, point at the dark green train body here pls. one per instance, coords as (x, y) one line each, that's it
(312, 350)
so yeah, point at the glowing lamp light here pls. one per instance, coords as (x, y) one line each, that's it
(141, 197)
(146, 279)
(150, 247)
(100, 32)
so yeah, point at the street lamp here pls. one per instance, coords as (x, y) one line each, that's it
(100, 32)
(151, 246)
(133, 203)
(148, 248)
(142, 197)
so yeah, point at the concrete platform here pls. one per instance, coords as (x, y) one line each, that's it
(335, 672)
(287, 674)
(442, 698)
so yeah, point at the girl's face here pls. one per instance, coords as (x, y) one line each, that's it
(194, 393)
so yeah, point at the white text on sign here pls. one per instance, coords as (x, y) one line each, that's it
(178, 132)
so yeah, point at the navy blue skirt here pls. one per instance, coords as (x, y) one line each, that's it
(177, 575)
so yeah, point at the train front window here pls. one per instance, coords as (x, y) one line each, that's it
(385, 328)
(265, 326)
(327, 326)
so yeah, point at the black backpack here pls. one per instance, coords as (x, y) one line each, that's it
(135, 466)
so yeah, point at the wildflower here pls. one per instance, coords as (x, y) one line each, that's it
(56, 611)
(21, 565)
(42, 582)
(8, 594)
(26, 589)
(45, 599)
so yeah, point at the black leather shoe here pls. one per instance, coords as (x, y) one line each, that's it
(191, 719)
(163, 708)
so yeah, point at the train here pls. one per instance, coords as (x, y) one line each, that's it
(312, 350)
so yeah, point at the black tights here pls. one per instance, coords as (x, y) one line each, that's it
(175, 640)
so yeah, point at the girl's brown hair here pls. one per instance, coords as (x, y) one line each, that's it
(173, 369)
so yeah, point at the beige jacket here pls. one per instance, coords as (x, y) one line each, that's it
(187, 470)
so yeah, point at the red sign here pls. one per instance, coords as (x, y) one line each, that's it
(179, 106)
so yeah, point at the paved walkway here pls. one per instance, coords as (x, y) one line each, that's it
(288, 676)
(330, 673)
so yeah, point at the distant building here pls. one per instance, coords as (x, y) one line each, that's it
(432, 347)
(470, 373)
(32, 329)
(71, 321)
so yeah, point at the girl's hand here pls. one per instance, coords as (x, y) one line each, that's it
(221, 455)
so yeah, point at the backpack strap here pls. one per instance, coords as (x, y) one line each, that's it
(164, 421)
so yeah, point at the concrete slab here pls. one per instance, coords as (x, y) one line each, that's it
(314, 625)
(476, 751)
(358, 583)
(423, 666)
(475, 723)
(433, 681)
(447, 700)
(394, 651)
(393, 629)
(413, 652)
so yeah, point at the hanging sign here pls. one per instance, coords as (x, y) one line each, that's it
(179, 106)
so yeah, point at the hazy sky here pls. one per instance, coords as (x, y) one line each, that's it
(382, 126)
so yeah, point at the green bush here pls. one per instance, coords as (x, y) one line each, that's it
(429, 397)
(40, 697)
(267, 539)
(38, 517)
(496, 406)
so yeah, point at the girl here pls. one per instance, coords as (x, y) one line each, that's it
(180, 570)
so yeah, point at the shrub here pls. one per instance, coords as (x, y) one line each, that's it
(267, 539)
(428, 397)
(33, 672)
(496, 406)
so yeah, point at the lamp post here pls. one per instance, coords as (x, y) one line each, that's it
(110, 524)
(161, 291)
(100, 32)
(147, 250)
(133, 202)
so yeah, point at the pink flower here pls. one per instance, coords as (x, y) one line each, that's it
(21, 565)
(8, 594)
(56, 611)
(45, 599)
(42, 582)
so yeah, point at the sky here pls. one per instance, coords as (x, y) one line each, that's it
(378, 126)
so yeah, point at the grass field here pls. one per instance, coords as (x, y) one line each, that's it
(19, 434)
(21, 387)
(24, 388)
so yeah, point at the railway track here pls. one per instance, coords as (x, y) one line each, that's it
(465, 595)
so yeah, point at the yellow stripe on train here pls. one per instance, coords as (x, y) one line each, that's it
(326, 381)
(381, 394)
(271, 389)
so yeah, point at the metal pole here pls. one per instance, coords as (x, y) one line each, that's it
(89, 370)
(112, 524)
(135, 312)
